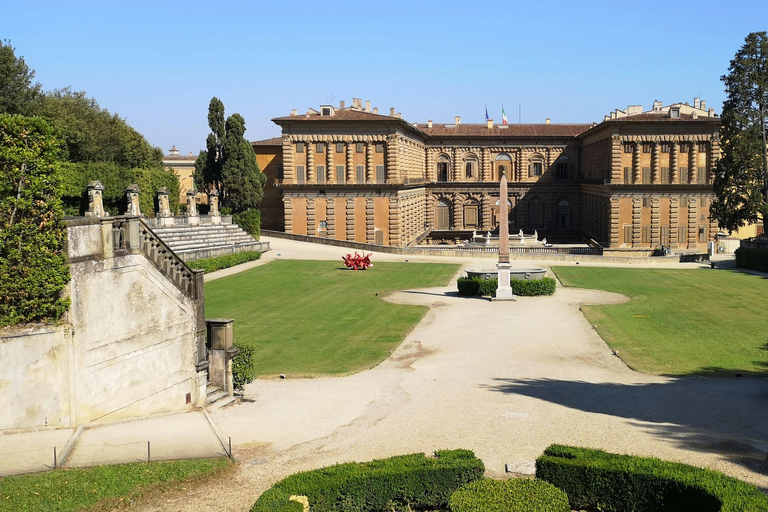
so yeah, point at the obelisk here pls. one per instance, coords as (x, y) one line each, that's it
(503, 289)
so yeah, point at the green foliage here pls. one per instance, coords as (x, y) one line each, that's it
(244, 365)
(398, 483)
(515, 495)
(219, 262)
(752, 259)
(475, 286)
(33, 262)
(250, 221)
(229, 163)
(18, 95)
(70, 490)
(116, 179)
(597, 480)
(741, 178)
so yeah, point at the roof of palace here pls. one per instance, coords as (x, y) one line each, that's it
(662, 116)
(504, 130)
(347, 114)
(274, 141)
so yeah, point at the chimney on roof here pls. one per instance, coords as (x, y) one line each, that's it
(657, 105)
(696, 102)
(711, 112)
(375, 110)
(695, 115)
(342, 103)
(489, 123)
(391, 111)
(295, 112)
(398, 115)
(357, 102)
(703, 105)
(367, 105)
(173, 151)
(190, 154)
(429, 123)
(458, 120)
(546, 121)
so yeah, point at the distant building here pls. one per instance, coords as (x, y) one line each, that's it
(636, 180)
(184, 168)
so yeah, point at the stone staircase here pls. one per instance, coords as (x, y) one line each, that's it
(194, 242)
(217, 398)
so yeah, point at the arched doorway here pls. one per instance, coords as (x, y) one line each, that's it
(442, 215)
(503, 166)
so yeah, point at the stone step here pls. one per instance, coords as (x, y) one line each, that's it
(213, 397)
(211, 389)
(211, 239)
(221, 403)
(218, 245)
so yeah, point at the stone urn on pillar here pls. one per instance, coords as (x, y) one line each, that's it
(95, 201)
(132, 199)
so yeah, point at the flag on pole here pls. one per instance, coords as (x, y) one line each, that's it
(503, 115)
(486, 113)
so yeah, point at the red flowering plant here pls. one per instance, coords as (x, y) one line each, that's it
(358, 261)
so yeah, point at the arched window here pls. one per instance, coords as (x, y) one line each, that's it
(503, 166)
(563, 214)
(536, 166)
(442, 215)
(443, 167)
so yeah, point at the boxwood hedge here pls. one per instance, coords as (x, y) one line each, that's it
(596, 480)
(752, 259)
(226, 261)
(396, 483)
(515, 495)
(475, 286)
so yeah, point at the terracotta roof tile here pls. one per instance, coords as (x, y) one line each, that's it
(661, 116)
(348, 114)
(274, 141)
(509, 130)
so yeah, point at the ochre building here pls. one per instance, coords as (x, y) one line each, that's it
(636, 180)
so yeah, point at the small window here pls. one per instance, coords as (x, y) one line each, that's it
(702, 234)
(664, 235)
(321, 174)
(340, 173)
(666, 147)
(280, 172)
(627, 233)
(627, 175)
(701, 175)
(702, 147)
(682, 234)
(628, 146)
(562, 170)
(646, 147)
(683, 175)
(646, 235)
(536, 168)
(320, 147)
(359, 147)
(646, 202)
(326, 111)
(339, 147)
(360, 173)
(299, 147)
(665, 175)
(381, 175)
(379, 147)
(674, 113)
(469, 170)
(301, 176)
(684, 148)
(646, 175)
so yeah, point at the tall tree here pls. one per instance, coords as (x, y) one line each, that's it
(18, 95)
(741, 177)
(229, 163)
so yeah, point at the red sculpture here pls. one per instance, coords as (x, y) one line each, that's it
(357, 262)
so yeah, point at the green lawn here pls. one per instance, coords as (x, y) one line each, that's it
(315, 317)
(680, 322)
(64, 490)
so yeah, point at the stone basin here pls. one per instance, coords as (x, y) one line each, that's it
(514, 273)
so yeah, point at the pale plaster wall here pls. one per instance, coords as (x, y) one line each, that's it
(127, 348)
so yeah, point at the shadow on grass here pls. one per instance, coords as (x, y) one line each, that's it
(724, 416)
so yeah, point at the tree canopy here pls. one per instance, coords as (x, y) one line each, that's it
(741, 177)
(18, 95)
(229, 163)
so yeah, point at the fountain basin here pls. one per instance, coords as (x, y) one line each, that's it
(514, 273)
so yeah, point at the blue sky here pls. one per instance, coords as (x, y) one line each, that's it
(157, 64)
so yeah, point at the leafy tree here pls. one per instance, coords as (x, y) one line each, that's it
(741, 177)
(18, 95)
(32, 235)
(229, 163)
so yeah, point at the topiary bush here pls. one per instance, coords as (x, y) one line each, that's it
(475, 286)
(515, 495)
(243, 364)
(596, 480)
(250, 221)
(397, 483)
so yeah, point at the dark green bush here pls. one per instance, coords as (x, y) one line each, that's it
(475, 286)
(752, 259)
(229, 260)
(243, 364)
(515, 495)
(396, 483)
(250, 221)
(596, 480)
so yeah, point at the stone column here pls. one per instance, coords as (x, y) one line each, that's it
(394, 174)
(714, 156)
(95, 201)
(637, 170)
(485, 165)
(674, 169)
(132, 200)
(213, 204)
(370, 175)
(349, 147)
(395, 213)
(692, 222)
(288, 209)
(192, 216)
(330, 168)
(617, 148)
(222, 352)
(310, 149)
(163, 212)
(456, 165)
(655, 167)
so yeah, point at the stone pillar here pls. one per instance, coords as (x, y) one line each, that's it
(95, 201)
(674, 224)
(350, 219)
(458, 212)
(637, 205)
(503, 288)
(637, 170)
(330, 168)
(614, 234)
(655, 167)
(310, 149)
(330, 216)
(222, 352)
(486, 205)
(394, 175)
(213, 203)
(311, 225)
(674, 168)
(456, 165)
(693, 165)
(485, 165)
(693, 223)
(395, 213)
(370, 224)
(370, 174)
(288, 174)
(617, 148)
(655, 221)
(192, 217)
(132, 200)
(288, 209)
(163, 212)
(714, 156)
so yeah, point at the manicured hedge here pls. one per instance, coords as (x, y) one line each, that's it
(752, 259)
(379, 485)
(219, 262)
(515, 495)
(243, 364)
(475, 286)
(596, 480)
(250, 222)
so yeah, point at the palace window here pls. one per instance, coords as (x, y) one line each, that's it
(320, 169)
(339, 147)
(665, 235)
(359, 147)
(701, 175)
(628, 146)
(684, 148)
(665, 175)
(683, 175)
(646, 147)
(280, 172)
(379, 147)
(562, 169)
(359, 174)
(646, 202)
(682, 234)
(627, 233)
(646, 175)
(535, 169)
(646, 235)
(299, 147)
(702, 147)
(702, 234)
(627, 175)
(563, 214)
(471, 215)
(340, 173)
(320, 147)
(301, 175)
(381, 174)
(666, 147)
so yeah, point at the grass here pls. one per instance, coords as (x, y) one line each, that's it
(315, 317)
(680, 322)
(66, 490)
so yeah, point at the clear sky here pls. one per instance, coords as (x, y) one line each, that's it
(157, 64)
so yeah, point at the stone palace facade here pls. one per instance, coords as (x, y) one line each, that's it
(635, 180)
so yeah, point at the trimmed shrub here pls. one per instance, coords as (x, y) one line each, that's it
(396, 483)
(475, 286)
(250, 221)
(515, 495)
(243, 364)
(752, 259)
(219, 262)
(597, 480)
